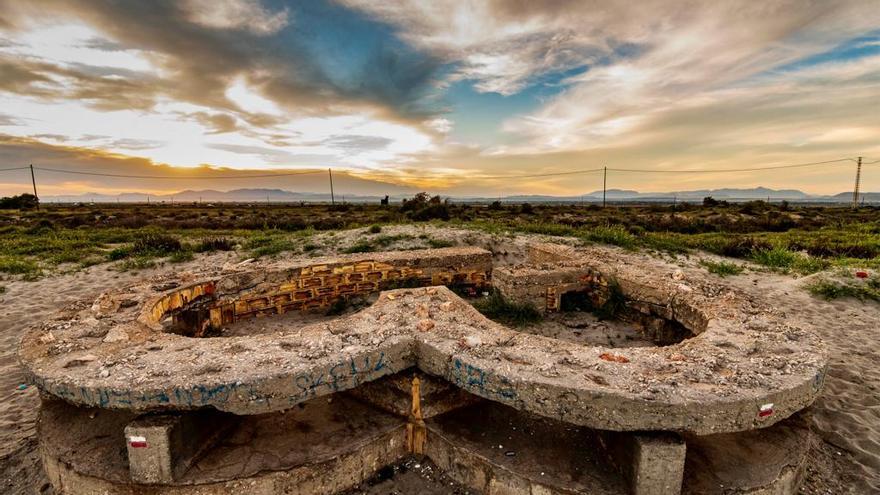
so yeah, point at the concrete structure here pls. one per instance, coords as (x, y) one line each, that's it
(723, 364)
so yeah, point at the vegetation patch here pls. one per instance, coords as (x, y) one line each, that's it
(722, 268)
(15, 266)
(496, 307)
(440, 243)
(863, 290)
(780, 258)
(209, 244)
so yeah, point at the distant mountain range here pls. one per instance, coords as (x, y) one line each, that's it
(283, 196)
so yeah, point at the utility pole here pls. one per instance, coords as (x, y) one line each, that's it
(855, 203)
(34, 182)
(604, 185)
(332, 198)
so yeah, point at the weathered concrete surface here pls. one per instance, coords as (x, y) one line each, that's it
(162, 447)
(657, 464)
(322, 448)
(325, 446)
(770, 461)
(745, 358)
(394, 394)
(497, 450)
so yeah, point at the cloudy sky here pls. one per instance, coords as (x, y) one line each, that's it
(438, 95)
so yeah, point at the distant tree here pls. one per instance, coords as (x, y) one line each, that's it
(709, 201)
(496, 205)
(526, 209)
(20, 202)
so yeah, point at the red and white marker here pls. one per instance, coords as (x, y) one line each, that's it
(137, 442)
(765, 410)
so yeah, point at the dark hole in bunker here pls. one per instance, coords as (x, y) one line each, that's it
(614, 306)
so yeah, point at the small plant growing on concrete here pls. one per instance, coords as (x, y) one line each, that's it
(496, 307)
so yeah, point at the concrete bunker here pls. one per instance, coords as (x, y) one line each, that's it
(318, 407)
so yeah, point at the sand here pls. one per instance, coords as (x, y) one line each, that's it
(846, 453)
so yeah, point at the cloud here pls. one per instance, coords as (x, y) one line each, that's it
(354, 143)
(198, 53)
(105, 88)
(278, 156)
(249, 15)
(75, 159)
(217, 123)
(8, 120)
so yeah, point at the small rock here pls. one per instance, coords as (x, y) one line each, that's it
(425, 325)
(79, 361)
(422, 311)
(472, 341)
(678, 275)
(116, 334)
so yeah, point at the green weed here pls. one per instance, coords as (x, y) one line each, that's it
(831, 289)
(497, 307)
(722, 268)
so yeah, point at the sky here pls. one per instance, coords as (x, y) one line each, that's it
(453, 97)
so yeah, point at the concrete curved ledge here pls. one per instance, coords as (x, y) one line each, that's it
(745, 369)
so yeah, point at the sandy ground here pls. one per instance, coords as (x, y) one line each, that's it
(846, 453)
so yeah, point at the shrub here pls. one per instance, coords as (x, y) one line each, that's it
(375, 229)
(776, 257)
(616, 235)
(828, 289)
(18, 266)
(440, 243)
(359, 247)
(155, 244)
(215, 244)
(20, 202)
(119, 253)
(783, 259)
(743, 247)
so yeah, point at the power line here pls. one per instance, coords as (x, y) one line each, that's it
(716, 171)
(479, 177)
(427, 177)
(198, 177)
